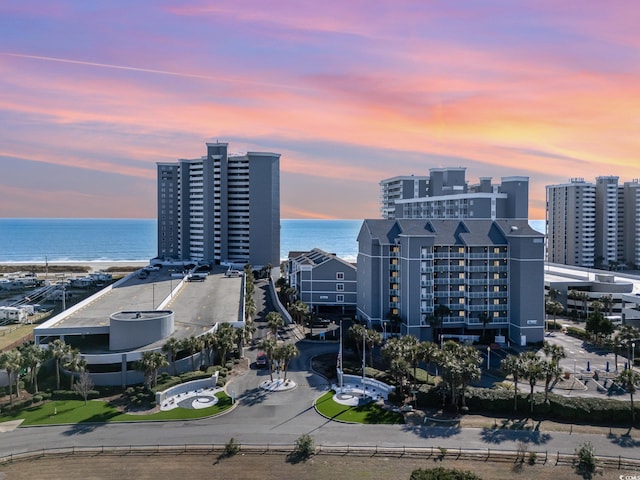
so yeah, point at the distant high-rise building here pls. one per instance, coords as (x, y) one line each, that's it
(445, 194)
(220, 208)
(593, 224)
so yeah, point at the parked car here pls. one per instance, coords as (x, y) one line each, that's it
(261, 360)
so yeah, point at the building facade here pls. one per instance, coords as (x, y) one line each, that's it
(220, 208)
(445, 193)
(322, 280)
(594, 224)
(453, 278)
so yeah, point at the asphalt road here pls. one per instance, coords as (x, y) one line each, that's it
(281, 417)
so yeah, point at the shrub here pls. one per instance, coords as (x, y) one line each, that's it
(37, 398)
(231, 448)
(228, 365)
(441, 473)
(586, 458)
(305, 446)
(221, 382)
(532, 458)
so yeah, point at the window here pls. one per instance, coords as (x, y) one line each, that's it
(340, 287)
(339, 275)
(340, 298)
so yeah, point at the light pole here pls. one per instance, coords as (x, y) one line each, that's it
(153, 296)
(384, 330)
(633, 353)
(488, 358)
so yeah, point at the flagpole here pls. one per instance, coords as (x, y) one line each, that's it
(340, 359)
(364, 334)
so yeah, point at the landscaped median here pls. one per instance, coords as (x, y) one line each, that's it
(98, 411)
(371, 413)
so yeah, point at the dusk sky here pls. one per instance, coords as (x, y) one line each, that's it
(93, 94)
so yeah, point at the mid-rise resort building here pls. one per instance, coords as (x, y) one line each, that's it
(439, 279)
(445, 193)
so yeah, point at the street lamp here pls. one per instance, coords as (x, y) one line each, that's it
(488, 357)
(633, 352)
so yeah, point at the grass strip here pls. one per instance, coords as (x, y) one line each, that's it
(96, 411)
(370, 413)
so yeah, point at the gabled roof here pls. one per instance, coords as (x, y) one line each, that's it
(317, 257)
(449, 231)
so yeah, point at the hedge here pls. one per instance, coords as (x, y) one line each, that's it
(592, 410)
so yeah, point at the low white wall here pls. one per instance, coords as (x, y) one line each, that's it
(191, 386)
(373, 386)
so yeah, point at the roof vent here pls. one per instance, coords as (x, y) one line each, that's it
(514, 228)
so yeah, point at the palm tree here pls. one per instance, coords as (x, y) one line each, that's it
(556, 352)
(223, 341)
(284, 353)
(428, 351)
(193, 345)
(74, 363)
(460, 365)
(554, 308)
(512, 365)
(630, 379)
(274, 322)
(356, 332)
(171, 348)
(11, 361)
(394, 351)
(551, 372)
(532, 371)
(208, 341)
(268, 346)
(372, 338)
(58, 350)
(484, 319)
(33, 356)
(607, 302)
(440, 312)
(249, 308)
(149, 364)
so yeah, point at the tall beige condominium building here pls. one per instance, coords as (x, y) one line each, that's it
(594, 224)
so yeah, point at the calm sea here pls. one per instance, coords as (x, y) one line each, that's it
(35, 240)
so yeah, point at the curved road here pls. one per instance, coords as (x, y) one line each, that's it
(281, 417)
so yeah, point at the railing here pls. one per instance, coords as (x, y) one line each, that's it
(440, 453)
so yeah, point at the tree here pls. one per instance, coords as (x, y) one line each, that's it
(372, 338)
(484, 319)
(512, 365)
(32, 357)
(83, 386)
(244, 335)
(149, 364)
(223, 341)
(551, 372)
(193, 345)
(11, 361)
(284, 353)
(356, 333)
(630, 379)
(171, 348)
(428, 351)
(531, 371)
(440, 313)
(268, 346)
(394, 351)
(460, 366)
(554, 308)
(74, 363)
(274, 322)
(581, 296)
(58, 350)
(249, 308)
(607, 303)
(555, 352)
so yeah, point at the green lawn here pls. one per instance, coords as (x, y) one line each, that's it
(370, 413)
(75, 411)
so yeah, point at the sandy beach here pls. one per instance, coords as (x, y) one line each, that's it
(94, 266)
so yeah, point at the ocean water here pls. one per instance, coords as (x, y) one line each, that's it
(36, 240)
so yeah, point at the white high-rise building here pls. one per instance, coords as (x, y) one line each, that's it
(594, 224)
(220, 208)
